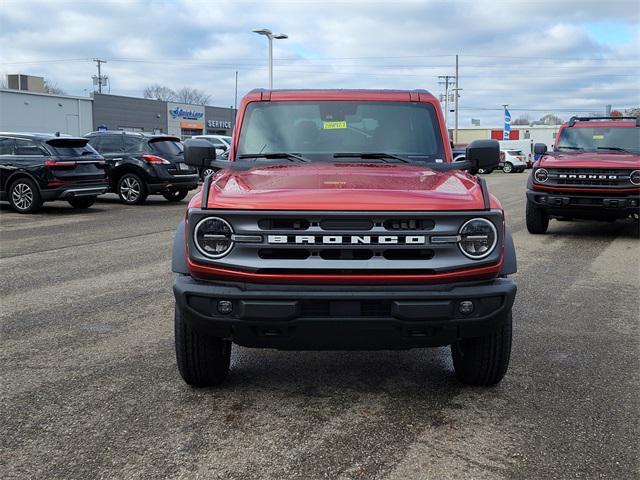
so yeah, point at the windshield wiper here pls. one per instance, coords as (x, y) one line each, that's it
(571, 148)
(372, 155)
(275, 155)
(617, 149)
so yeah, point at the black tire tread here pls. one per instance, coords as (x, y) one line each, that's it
(484, 360)
(202, 361)
(537, 221)
(83, 202)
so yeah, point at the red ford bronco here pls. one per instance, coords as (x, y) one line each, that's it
(341, 221)
(593, 173)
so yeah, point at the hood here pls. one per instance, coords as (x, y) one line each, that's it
(344, 186)
(590, 160)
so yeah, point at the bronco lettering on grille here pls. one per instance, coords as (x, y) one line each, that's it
(348, 239)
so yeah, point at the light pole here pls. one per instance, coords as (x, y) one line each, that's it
(269, 34)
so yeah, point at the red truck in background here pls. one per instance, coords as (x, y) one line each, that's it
(593, 173)
(341, 221)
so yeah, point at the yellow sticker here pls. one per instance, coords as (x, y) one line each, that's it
(598, 137)
(334, 125)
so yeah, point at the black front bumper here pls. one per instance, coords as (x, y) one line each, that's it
(302, 317)
(585, 206)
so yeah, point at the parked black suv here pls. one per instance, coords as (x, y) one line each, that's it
(36, 168)
(140, 164)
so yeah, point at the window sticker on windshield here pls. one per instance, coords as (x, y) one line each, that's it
(598, 137)
(333, 125)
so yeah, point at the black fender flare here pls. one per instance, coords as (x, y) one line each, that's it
(179, 257)
(510, 264)
(20, 173)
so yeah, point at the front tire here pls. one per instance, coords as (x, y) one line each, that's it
(131, 189)
(507, 168)
(537, 221)
(24, 196)
(82, 202)
(176, 195)
(203, 361)
(484, 360)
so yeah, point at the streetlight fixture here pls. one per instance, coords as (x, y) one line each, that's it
(270, 35)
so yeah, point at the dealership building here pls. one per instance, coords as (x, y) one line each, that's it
(30, 111)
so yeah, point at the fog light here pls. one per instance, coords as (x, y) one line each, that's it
(465, 307)
(225, 307)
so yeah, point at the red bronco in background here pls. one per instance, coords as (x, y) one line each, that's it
(341, 222)
(593, 173)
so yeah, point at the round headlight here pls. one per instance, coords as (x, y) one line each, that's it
(635, 177)
(541, 175)
(478, 238)
(212, 236)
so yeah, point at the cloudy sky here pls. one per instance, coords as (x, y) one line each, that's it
(538, 56)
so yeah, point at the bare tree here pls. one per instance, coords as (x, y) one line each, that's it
(192, 96)
(159, 92)
(632, 112)
(53, 88)
(522, 120)
(551, 119)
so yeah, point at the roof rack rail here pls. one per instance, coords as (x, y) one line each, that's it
(574, 120)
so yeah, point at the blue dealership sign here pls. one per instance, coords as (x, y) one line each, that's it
(507, 125)
(179, 112)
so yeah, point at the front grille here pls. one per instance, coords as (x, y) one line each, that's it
(597, 177)
(334, 242)
(283, 224)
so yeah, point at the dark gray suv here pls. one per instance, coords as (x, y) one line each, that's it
(140, 164)
(39, 167)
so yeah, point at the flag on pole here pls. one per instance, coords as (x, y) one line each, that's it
(507, 124)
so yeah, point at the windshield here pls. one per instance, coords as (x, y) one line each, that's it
(599, 138)
(322, 128)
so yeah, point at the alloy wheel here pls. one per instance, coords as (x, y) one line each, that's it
(22, 196)
(130, 189)
(206, 172)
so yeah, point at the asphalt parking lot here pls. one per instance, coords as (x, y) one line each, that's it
(90, 387)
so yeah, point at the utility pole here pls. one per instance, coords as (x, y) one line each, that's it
(99, 64)
(446, 80)
(455, 135)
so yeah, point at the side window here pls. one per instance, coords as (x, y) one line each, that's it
(132, 144)
(27, 148)
(6, 146)
(95, 143)
(111, 144)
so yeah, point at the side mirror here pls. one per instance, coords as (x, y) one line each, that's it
(540, 148)
(483, 154)
(198, 152)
